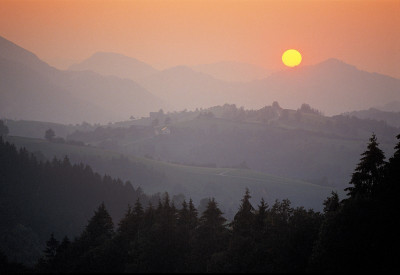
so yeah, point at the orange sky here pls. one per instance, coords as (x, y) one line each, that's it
(167, 33)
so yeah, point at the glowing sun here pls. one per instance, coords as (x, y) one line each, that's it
(291, 58)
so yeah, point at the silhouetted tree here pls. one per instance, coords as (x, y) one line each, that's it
(368, 171)
(211, 237)
(391, 182)
(360, 234)
(99, 229)
(241, 248)
(261, 244)
(331, 204)
(51, 248)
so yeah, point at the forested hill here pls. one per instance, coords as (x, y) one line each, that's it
(37, 198)
(356, 234)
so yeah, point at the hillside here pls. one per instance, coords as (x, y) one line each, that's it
(391, 118)
(301, 144)
(37, 129)
(197, 182)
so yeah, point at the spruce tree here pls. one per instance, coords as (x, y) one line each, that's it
(369, 171)
(261, 244)
(260, 218)
(51, 248)
(212, 216)
(331, 204)
(99, 229)
(244, 218)
(211, 237)
(392, 173)
(193, 214)
(241, 248)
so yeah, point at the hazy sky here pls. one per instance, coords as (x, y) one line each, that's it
(168, 33)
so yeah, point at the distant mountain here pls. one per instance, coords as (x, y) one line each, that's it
(115, 64)
(28, 94)
(332, 86)
(393, 106)
(391, 118)
(182, 88)
(233, 71)
(31, 89)
(13, 52)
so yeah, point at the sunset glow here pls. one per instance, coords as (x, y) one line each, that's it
(173, 32)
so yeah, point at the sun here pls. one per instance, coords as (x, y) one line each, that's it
(291, 58)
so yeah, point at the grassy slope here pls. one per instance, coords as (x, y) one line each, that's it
(227, 185)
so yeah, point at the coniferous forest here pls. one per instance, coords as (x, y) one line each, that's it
(355, 234)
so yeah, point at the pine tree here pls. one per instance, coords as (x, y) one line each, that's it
(241, 248)
(331, 204)
(138, 210)
(368, 173)
(261, 216)
(211, 237)
(392, 173)
(47, 262)
(212, 216)
(99, 229)
(261, 244)
(244, 218)
(193, 213)
(124, 224)
(51, 248)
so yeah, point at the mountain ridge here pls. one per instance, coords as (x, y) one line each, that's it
(81, 96)
(110, 63)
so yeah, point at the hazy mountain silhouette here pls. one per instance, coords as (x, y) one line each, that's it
(184, 88)
(331, 86)
(391, 118)
(31, 89)
(26, 93)
(393, 106)
(233, 71)
(115, 64)
(11, 51)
